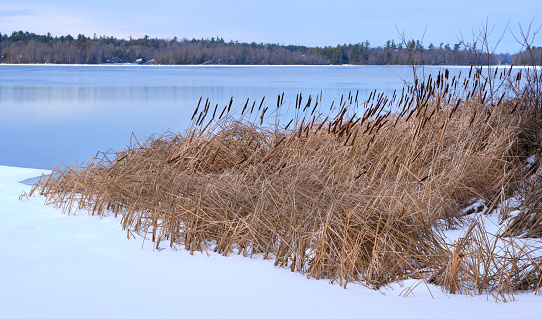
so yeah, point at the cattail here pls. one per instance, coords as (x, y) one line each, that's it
(514, 109)
(199, 117)
(334, 205)
(196, 110)
(262, 117)
(223, 110)
(320, 126)
(285, 128)
(314, 108)
(244, 107)
(229, 105)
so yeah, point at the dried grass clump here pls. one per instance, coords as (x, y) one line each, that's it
(351, 198)
(528, 221)
(481, 262)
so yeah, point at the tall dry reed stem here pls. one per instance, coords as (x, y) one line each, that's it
(339, 196)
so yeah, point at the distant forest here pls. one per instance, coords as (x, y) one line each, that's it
(25, 47)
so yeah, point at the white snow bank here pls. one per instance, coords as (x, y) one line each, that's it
(59, 266)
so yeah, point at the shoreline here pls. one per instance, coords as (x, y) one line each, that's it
(46, 253)
(262, 65)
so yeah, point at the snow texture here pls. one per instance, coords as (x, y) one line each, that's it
(54, 265)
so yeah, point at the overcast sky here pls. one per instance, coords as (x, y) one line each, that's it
(304, 22)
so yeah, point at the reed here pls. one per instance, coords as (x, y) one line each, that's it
(357, 195)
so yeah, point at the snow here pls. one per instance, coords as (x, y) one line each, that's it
(79, 266)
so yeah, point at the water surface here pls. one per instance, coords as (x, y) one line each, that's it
(51, 113)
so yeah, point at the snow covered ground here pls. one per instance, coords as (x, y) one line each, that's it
(58, 266)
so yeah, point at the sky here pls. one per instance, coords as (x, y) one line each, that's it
(301, 22)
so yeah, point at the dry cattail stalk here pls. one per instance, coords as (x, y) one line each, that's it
(360, 201)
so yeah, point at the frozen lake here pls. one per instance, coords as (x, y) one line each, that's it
(51, 113)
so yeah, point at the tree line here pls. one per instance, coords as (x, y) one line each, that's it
(25, 47)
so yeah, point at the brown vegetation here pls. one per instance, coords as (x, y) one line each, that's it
(347, 197)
